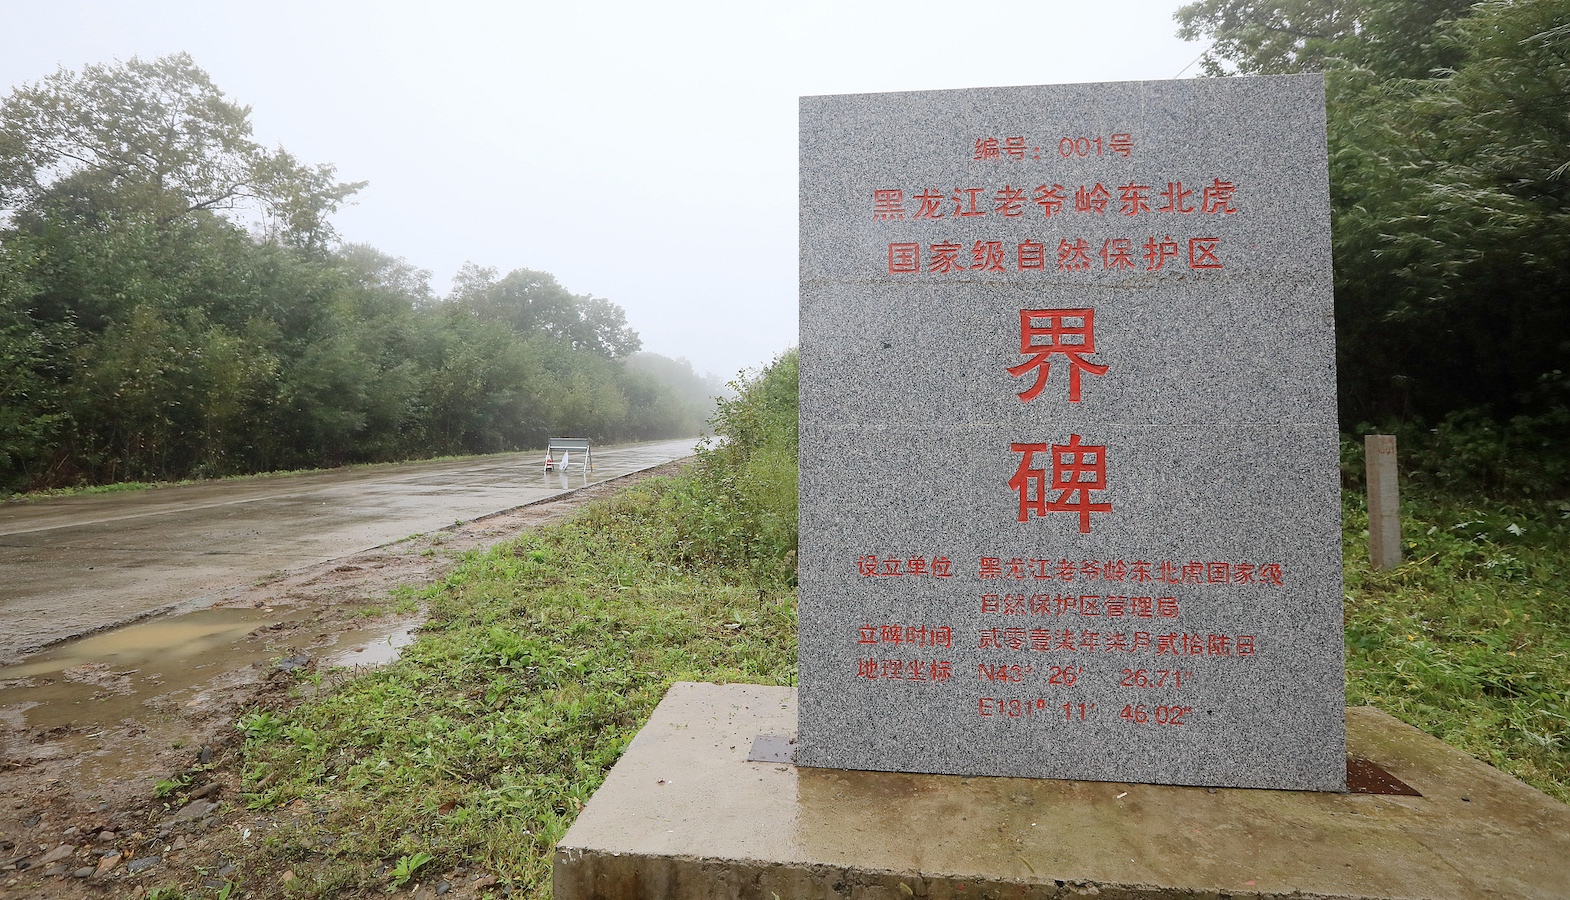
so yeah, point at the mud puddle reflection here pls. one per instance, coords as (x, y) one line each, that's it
(82, 698)
(373, 646)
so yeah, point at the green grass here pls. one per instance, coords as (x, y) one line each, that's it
(545, 655)
(1469, 640)
(541, 660)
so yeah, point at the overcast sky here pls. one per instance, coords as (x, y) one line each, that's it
(643, 152)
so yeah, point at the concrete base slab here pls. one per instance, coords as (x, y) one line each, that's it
(685, 815)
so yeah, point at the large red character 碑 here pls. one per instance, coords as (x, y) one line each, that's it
(1077, 471)
(1074, 342)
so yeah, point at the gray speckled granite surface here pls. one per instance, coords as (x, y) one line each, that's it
(1216, 410)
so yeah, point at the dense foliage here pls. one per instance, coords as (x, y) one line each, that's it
(174, 303)
(1450, 179)
(739, 509)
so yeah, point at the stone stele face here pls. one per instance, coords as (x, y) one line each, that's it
(1069, 479)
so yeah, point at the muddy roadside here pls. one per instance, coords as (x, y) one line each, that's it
(118, 759)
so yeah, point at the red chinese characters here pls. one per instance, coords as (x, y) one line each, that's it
(1115, 254)
(987, 256)
(1111, 606)
(1071, 640)
(892, 637)
(1078, 470)
(907, 635)
(931, 205)
(1009, 202)
(1070, 333)
(1032, 255)
(1050, 199)
(944, 257)
(1134, 199)
(874, 566)
(1071, 255)
(1217, 198)
(1131, 199)
(1092, 199)
(965, 202)
(888, 205)
(1017, 148)
(1158, 252)
(928, 670)
(1176, 199)
(904, 259)
(1038, 614)
(1202, 253)
(1139, 571)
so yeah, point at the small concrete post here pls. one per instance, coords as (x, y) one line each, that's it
(1384, 501)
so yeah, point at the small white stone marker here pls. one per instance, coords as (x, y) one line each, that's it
(1384, 501)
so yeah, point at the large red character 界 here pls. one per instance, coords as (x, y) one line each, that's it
(1074, 342)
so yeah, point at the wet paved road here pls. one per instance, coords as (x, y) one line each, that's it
(76, 564)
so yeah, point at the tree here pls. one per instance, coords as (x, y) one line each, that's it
(1453, 223)
(667, 398)
(148, 329)
(1450, 201)
(1395, 38)
(535, 303)
(157, 137)
(31, 414)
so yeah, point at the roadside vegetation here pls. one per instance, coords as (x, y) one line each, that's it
(541, 660)
(175, 304)
(1469, 639)
(543, 657)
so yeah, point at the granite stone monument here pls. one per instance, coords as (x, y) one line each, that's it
(1069, 478)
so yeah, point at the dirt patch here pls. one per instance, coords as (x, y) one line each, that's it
(114, 780)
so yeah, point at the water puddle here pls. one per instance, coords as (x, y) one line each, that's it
(188, 636)
(373, 647)
(82, 699)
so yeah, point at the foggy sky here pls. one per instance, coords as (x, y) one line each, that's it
(641, 152)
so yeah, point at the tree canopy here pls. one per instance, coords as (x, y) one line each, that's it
(155, 137)
(174, 303)
(533, 302)
(1450, 176)
(1395, 38)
